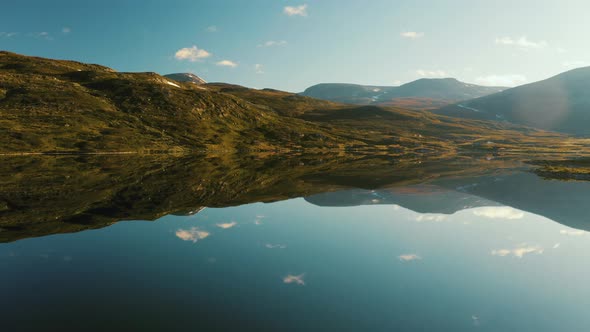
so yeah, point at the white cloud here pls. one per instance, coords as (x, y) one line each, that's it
(191, 54)
(259, 68)
(212, 28)
(501, 80)
(561, 50)
(296, 10)
(271, 43)
(294, 279)
(227, 63)
(518, 252)
(7, 34)
(575, 64)
(66, 30)
(193, 234)
(412, 34)
(498, 212)
(522, 42)
(501, 252)
(227, 225)
(409, 257)
(43, 34)
(432, 73)
(572, 232)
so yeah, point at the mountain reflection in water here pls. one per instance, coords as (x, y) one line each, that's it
(48, 195)
(354, 243)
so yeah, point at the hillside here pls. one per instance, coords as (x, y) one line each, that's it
(346, 93)
(66, 106)
(560, 103)
(62, 106)
(421, 94)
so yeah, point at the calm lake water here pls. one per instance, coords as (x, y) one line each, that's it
(448, 255)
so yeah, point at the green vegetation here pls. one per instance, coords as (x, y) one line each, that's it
(56, 106)
(65, 106)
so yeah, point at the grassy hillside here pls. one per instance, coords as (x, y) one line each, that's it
(402, 131)
(52, 105)
(70, 107)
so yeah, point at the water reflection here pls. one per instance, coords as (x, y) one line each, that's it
(368, 267)
(519, 251)
(294, 279)
(498, 212)
(50, 195)
(409, 257)
(357, 243)
(226, 225)
(193, 234)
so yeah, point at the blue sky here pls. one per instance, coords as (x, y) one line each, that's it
(291, 45)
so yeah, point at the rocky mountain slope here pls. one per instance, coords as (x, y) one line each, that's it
(65, 106)
(186, 77)
(560, 103)
(420, 94)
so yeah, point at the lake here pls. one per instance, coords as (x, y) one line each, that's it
(308, 243)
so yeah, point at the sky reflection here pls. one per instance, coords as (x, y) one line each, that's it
(385, 267)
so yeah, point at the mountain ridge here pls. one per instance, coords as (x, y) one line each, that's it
(186, 78)
(559, 103)
(61, 106)
(421, 94)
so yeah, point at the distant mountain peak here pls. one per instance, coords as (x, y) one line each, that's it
(559, 103)
(186, 77)
(424, 93)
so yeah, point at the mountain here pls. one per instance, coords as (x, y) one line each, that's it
(186, 77)
(66, 106)
(560, 103)
(58, 106)
(426, 93)
(346, 93)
